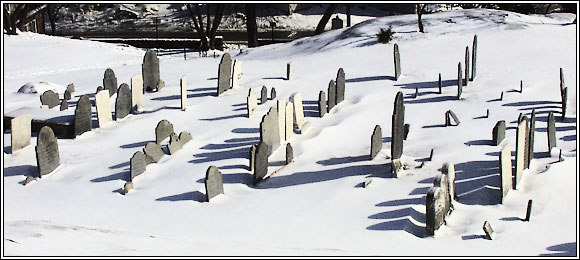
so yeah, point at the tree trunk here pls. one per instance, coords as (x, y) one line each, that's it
(348, 15)
(324, 20)
(252, 27)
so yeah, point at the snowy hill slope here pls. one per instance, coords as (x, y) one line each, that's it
(315, 206)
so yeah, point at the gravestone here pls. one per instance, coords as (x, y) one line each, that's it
(459, 81)
(439, 84)
(398, 122)
(289, 153)
(153, 152)
(289, 71)
(450, 115)
(214, 184)
(83, 115)
(337, 23)
(272, 94)
(528, 211)
(252, 103)
(224, 74)
(331, 95)
(127, 187)
(520, 152)
(21, 130)
(123, 103)
(289, 129)
(376, 141)
(263, 95)
(110, 82)
(531, 134)
(505, 171)
(299, 121)
(474, 57)
(340, 81)
(281, 111)
(442, 181)
(397, 57)
(174, 144)
(269, 130)
(551, 131)
(564, 102)
(70, 87)
(434, 215)
(63, 105)
(498, 133)
(47, 155)
(321, 104)
(466, 66)
(252, 158)
(103, 107)
(49, 98)
(488, 230)
(67, 95)
(150, 71)
(137, 92)
(448, 169)
(138, 163)
(183, 85)
(163, 130)
(261, 166)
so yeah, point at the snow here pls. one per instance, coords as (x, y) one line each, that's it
(315, 206)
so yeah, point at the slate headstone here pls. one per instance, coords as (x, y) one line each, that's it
(488, 230)
(331, 95)
(272, 94)
(150, 71)
(448, 169)
(466, 66)
(153, 152)
(183, 85)
(459, 81)
(261, 166)
(110, 81)
(322, 104)
(123, 103)
(551, 131)
(289, 153)
(63, 105)
(505, 171)
(474, 57)
(376, 141)
(263, 95)
(289, 129)
(398, 122)
(67, 95)
(252, 103)
(138, 163)
(163, 130)
(224, 74)
(397, 58)
(83, 115)
(214, 184)
(520, 152)
(47, 155)
(340, 81)
(21, 130)
(435, 215)
(103, 107)
(49, 98)
(498, 133)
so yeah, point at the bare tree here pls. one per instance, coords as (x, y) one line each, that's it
(207, 34)
(324, 20)
(19, 15)
(420, 11)
(251, 25)
(53, 15)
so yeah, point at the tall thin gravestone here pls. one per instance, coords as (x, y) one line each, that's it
(498, 133)
(137, 92)
(398, 122)
(261, 166)
(551, 131)
(183, 85)
(340, 81)
(163, 130)
(474, 57)
(83, 115)
(520, 151)
(466, 65)
(21, 131)
(110, 81)
(123, 103)
(505, 171)
(103, 107)
(331, 95)
(150, 71)
(321, 104)
(137, 164)
(459, 81)
(376, 141)
(47, 155)
(214, 184)
(397, 57)
(224, 74)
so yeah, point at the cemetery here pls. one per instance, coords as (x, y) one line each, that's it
(333, 144)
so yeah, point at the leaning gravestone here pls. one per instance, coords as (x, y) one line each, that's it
(137, 92)
(150, 71)
(321, 104)
(21, 131)
(376, 141)
(331, 95)
(138, 164)
(224, 74)
(70, 87)
(272, 94)
(459, 81)
(214, 184)
(47, 155)
(299, 121)
(183, 85)
(261, 163)
(49, 98)
(435, 215)
(153, 152)
(110, 81)
(474, 57)
(103, 107)
(289, 129)
(397, 57)
(520, 152)
(340, 86)
(398, 125)
(252, 103)
(163, 130)
(531, 138)
(551, 131)
(63, 105)
(67, 95)
(83, 115)
(269, 130)
(498, 133)
(252, 158)
(466, 65)
(281, 111)
(174, 144)
(263, 95)
(123, 103)
(289, 153)
(448, 169)
(505, 171)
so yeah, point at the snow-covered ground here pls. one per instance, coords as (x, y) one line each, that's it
(315, 206)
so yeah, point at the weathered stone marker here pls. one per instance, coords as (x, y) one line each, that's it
(448, 169)
(150, 71)
(530, 138)
(289, 71)
(289, 153)
(103, 107)
(435, 210)
(224, 74)
(137, 92)
(138, 163)
(331, 95)
(505, 171)
(450, 115)
(398, 122)
(281, 112)
(488, 230)
(474, 58)
(340, 88)
(110, 81)
(498, 133)
(466, 65)
(261, 166)
(376, 141)
(83, 115)
(252, 158)
(252, 103)
(528, 211)
(440, 84)
(299, 121)
(269, 130)
(520, 152)
(21, 130)
(123, 103)
(47, 155)
(67, 95)
(397, 57)
(49, 98)
(322, 104)
(63, 105)
(289, 129)
(272, 94)
(551, 131)
(214, 184)
(153, 152)
(163, 130)
(183, 85)
(263, 95)
(459, 81)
